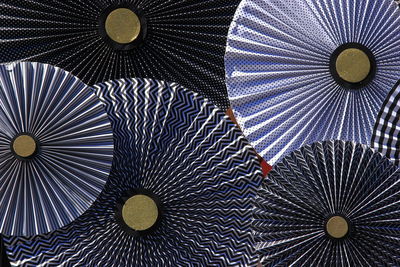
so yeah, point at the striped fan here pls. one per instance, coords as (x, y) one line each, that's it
(180, 193)
(301, 71)
(56, 148)
(99, 40)
(332, 203)
(386, 134)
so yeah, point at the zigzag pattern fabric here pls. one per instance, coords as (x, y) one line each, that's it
(386, 135)
(278, 70)
(185, 40)
(75, 148)
(322, 180)
(179, 146)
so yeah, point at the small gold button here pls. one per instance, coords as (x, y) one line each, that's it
(122, 25)
(24, 146)
(140, 212)
(353, 65)
(337, 227)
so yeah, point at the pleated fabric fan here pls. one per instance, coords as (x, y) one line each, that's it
(301, 71)
(332, 203)
(56, 148)
(386, 134)
(180, 41)
(180, 193)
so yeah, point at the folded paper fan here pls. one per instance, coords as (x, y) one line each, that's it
(56, 148)
(181, 190)
(302, 71)
(331, 203)
(386, 134)
(99, 40)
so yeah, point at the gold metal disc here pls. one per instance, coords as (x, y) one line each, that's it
(337, 227)
(353, 65)
(140, 212)
(122, 25)
(24, 146)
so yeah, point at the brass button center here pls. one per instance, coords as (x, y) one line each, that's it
(123, 25)
(337, 227)
(24, 146)
(140, 212)
(353, 65)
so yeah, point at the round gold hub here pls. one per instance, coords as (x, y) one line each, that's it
(24, 146)
(122, 25)
(140, 212)
(353, 65)
(337, 227)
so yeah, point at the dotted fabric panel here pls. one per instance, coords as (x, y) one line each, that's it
(185, 41)
(278, 78)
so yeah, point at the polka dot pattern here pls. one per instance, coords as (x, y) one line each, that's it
(278, 77)
(185, 41)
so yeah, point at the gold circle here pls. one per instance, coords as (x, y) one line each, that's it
(353, 65)
(24, 146)
(337, 227)
(140, 212)
(123, 25)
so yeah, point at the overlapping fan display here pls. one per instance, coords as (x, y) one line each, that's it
(302, 71)
(178, 41)
(176, 148)
(332, 203)
(56, 148)
(386, 135)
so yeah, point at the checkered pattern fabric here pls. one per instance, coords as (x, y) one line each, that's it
(386, 134)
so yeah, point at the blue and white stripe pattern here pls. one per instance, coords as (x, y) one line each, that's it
(278, 77)
(179, 146)
(76, 147)
(319, 181)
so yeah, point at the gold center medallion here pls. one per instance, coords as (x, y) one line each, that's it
(123, 25)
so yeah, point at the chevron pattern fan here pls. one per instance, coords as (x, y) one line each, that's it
(301, 71)
(50, 123)
(332, 203)
(181, 41)
(192, 167)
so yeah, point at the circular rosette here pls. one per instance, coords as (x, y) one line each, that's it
(181, 190)
(56, 148)
(332, 203)
(302, 71)
(100, 40)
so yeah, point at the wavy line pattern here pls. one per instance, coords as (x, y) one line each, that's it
(278, 78)
(180, 147)
(321, 180)
(185, 41)
(76, 148)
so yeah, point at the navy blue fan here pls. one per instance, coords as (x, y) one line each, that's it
(302, 71)
(331, 203)
(56, 148)
(99, 40)
(4, 262)
(180, 193)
